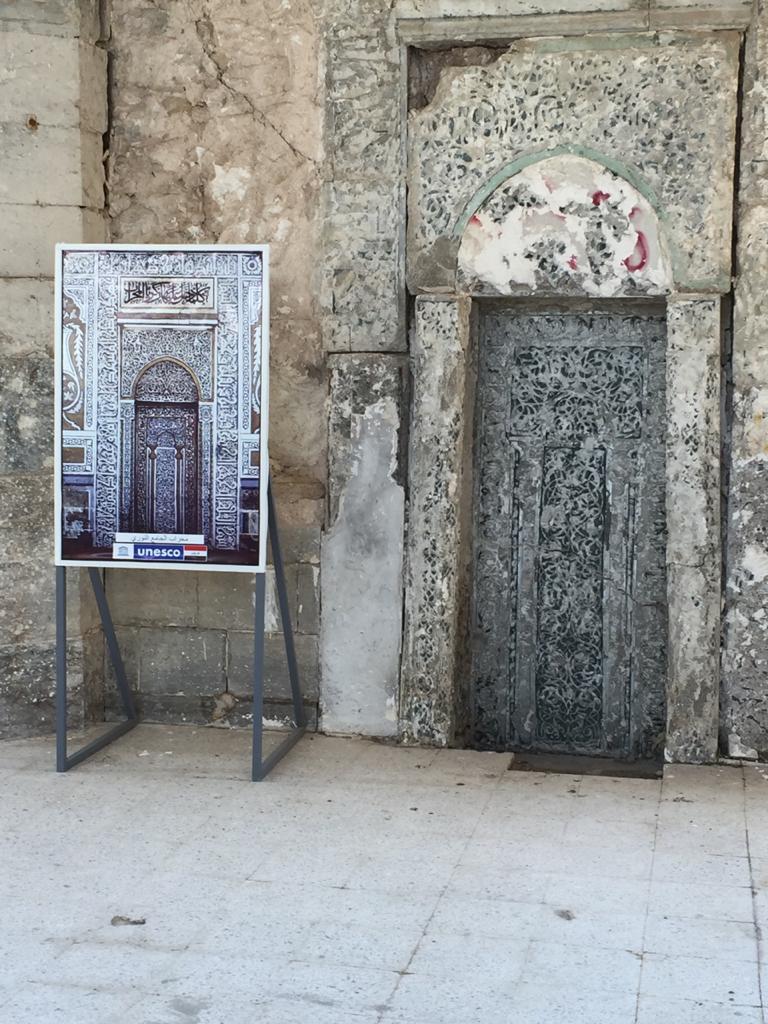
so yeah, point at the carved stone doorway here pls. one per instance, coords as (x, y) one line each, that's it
(569, 611)
(166, 450)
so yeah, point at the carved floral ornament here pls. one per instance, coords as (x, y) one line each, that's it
(563, 225)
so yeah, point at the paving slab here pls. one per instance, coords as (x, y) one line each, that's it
(366, 883)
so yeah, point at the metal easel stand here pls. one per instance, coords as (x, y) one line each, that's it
(261, 766)
(65, 761)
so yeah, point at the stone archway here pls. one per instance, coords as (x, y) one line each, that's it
(563, 228)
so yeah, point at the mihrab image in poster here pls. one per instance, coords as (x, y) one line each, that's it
(161, 406)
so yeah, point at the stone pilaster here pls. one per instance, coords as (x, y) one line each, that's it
(439, 429)
(745, 655)
(693, 525)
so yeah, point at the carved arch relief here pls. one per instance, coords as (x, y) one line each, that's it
(167, 380)
(564, 225)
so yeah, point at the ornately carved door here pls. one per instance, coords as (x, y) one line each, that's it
(166, 468)
(569, 614)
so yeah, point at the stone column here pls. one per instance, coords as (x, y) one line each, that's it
(52, 116)
(438, 431)
(693, 523)
(745, 655)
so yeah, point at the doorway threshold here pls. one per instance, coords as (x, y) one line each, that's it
(579, 764)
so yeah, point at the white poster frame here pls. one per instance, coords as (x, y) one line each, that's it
(87, 563)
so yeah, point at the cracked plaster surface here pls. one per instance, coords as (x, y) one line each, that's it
(216, 137)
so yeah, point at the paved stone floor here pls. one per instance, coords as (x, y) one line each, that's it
(365, 884)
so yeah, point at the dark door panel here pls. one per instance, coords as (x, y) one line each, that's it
(569, 534)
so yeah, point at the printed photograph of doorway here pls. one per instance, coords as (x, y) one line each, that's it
(161, 406)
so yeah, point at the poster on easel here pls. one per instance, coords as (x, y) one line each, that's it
(161, 390)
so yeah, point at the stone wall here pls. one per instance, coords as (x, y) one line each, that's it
(216, 137)
(52, 116)
(285, 122)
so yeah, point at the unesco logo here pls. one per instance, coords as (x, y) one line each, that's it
(159, 552)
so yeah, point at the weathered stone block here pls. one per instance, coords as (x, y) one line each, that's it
(300, 515)
(231, 710)
(697, 16)
(164, 708)
(40, 228)
(28, 607)
(27, 317)
(307, 599)
(31, 64)
(94, 683)
(46, 17)
(300, 544)
(28, 689)
(26, 159)
(297, 395)
(500, 8)
(365, 307)
(130, 642)
(26, 423)
(82, 609)
(750, 315)
(152, 596)
(26, 513)
(276, 681)
(221, 710)
(187, 662)
(58, 82)
(227, 600)
(93, 89)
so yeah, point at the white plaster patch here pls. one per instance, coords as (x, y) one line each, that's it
(362, 582)
(229, 183)
(755, 562)
(27, 424)
(564, 224)
(754, 413)
(739, 750)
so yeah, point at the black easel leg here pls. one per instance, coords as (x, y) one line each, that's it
(258, 676)
(61, 668)
(63, 760)
(112, 645)
(262, 768)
